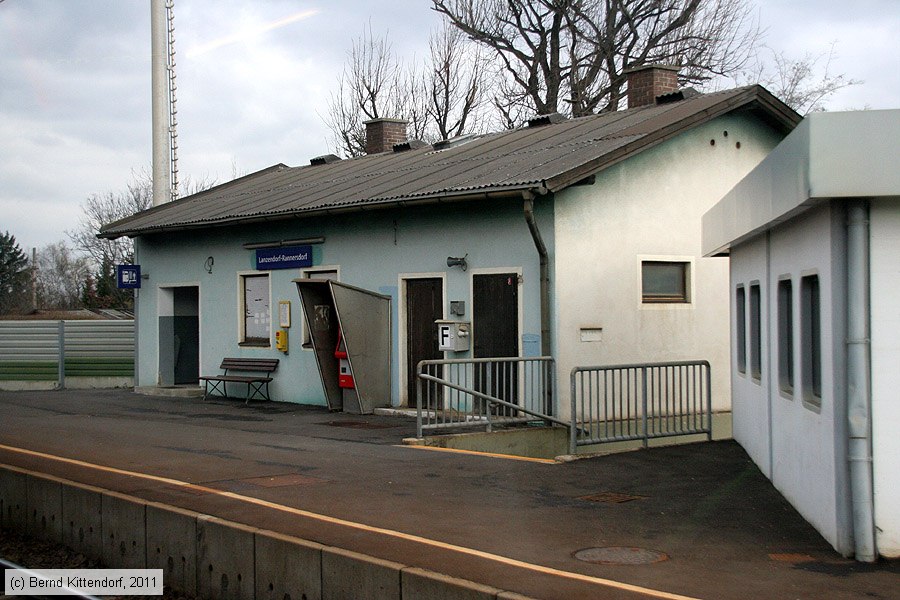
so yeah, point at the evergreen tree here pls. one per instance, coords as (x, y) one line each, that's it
(13, 275)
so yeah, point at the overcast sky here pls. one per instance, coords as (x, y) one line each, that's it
(253, 82)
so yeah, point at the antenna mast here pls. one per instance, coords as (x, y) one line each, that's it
(173, 111)
(165, 136)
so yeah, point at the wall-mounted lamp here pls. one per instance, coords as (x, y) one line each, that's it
(452, 261)
(208, 265)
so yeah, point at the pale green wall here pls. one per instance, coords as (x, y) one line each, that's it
(370, 252)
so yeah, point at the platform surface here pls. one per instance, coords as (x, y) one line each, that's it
(706, 516)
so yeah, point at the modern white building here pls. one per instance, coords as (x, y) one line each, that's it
(813, 234)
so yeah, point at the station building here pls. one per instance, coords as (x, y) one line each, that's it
(574, 238)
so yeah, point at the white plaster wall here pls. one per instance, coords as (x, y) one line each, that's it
(828, 155)
(650, 205)
(750, 409)
(885, 318)
(800, 447)
(808, 458)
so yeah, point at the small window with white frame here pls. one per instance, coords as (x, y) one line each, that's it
(665, 281)
(256, 320)
(811, 341)
(786, 336)
(740, 328)
(315, 273)
(755, 332)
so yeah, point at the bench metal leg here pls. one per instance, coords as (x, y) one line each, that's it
(215, 387)
(256, 387)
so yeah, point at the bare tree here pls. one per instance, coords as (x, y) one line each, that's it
(104, 254)
(804, 84)
(570, 55)
(60, 277)
(454, 84)
(368, 88)
(441, 97)
(101, 209)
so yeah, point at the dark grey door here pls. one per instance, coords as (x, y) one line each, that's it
(495, 332)
(424, 305)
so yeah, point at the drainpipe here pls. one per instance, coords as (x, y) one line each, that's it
(544, 271)
(859, 410)
(137, 319)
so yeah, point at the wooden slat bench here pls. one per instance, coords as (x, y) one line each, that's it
(256, 384)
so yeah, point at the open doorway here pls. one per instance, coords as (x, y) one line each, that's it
(179, 335)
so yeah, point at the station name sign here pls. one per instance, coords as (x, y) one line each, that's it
(292, 257)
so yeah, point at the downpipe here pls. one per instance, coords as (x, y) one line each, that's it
(859, 409)
(544, 272)
(544, 275)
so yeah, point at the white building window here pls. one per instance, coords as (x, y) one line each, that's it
(755, 332)
(740, 327)
(256, 319)
(786, 336)
(811, 340)
(665, 281)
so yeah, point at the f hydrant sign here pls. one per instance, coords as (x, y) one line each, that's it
(288, 257)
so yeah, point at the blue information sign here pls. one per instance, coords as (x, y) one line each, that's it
(128, 277)
(293, 257)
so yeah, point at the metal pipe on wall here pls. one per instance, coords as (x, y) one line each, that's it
(544, 272)
(859, 407)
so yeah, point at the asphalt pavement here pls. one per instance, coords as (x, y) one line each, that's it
(697, 520)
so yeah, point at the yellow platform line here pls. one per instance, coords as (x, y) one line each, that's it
(544, 461)
(363, 527)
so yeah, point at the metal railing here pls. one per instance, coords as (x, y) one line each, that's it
(484, 392)
(52, 350)
(640, 402)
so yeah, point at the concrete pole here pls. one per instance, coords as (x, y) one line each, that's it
(34, 304)
(159, 83)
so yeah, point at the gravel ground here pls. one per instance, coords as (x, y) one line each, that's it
(31, 553)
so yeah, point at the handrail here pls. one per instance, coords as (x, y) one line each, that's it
(472, 388)
(640, 401)
(494, 399)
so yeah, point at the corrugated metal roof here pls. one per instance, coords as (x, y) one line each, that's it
(546, 157)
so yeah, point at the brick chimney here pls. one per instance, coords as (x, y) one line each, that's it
(382, 134)
(647, 82)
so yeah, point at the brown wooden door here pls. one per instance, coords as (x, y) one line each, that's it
(495, 332)
(424, 305)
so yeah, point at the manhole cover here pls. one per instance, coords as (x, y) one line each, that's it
(620, 555)
(357, 425)
(610, 497)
